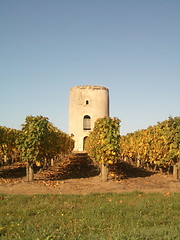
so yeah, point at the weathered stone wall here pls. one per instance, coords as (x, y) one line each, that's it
(86, 101)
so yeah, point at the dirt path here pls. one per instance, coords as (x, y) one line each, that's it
(153, 183)
(78, 176)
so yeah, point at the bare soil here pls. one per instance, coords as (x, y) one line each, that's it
(76, 174)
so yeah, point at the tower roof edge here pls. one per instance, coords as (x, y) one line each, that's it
(94, 87)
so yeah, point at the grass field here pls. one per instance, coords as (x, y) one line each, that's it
(95, 216)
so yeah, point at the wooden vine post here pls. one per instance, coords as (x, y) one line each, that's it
(29, 172)
(104, 172)
(176, 171)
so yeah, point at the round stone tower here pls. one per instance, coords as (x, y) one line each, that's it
(86, 104)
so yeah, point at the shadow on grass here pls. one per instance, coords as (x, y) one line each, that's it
(81, 166)
(124, 170)
(75, 166)
(16, 170)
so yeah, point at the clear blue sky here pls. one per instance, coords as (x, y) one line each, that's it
(130, 46)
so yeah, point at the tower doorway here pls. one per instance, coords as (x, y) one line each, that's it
(84, 142)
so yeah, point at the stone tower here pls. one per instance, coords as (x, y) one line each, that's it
(86, 104)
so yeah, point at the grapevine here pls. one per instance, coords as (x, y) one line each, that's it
(158, 145)
(103, 143)
(37, 143)
(8, 148)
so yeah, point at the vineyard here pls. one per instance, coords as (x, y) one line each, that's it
(155, 147)
(8, 148)
(38, 143)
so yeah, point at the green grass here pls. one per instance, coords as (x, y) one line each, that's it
(96, 216)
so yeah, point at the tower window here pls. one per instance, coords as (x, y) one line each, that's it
(87, 122)
(87, 102)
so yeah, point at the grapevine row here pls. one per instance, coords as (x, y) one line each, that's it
(37, 142)
(103, 143)
(8, 148)
(157, 145)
